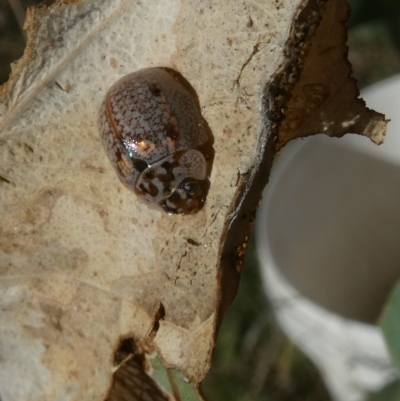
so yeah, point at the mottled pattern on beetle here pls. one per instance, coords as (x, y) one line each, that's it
(146, 109)
(163, 177)
(115, 150)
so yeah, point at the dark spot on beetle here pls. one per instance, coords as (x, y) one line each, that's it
(167, 209)
(139, 165)
(167, 191)
(191, 241)
(118, 154)
(143, 189)
(249, 22)
(154, 89)
(172, 204)
(153, 190)
(171, 132)
(149, 175)
(167, 166)
(166, 178)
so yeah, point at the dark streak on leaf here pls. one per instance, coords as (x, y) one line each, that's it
(5, 180)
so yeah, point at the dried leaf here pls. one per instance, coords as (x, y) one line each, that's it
(325, 99)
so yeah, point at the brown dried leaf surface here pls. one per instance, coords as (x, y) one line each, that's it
(325, 100)
(82, 263)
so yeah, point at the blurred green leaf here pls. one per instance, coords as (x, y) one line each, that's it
(389, 393)
(390, 324)
(174, 382)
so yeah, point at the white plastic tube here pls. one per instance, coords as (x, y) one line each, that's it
(328, 240)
